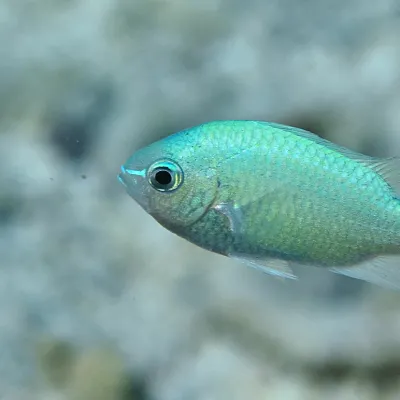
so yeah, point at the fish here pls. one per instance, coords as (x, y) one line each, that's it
(273, 197)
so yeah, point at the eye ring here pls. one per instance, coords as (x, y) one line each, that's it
(165, 176)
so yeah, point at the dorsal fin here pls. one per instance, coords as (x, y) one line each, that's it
(323, 142)
(387, 168)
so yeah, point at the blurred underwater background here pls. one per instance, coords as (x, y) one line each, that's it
(97, 300)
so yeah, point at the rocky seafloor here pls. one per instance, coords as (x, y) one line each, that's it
(97, 301)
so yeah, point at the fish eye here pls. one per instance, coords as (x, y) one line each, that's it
(165, 176)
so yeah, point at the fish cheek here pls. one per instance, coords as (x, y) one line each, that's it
(197, 194)
(195, 202)
(181, 208)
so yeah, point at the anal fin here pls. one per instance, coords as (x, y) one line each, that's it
(381, 270)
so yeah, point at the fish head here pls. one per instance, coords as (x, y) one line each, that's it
(171, 180)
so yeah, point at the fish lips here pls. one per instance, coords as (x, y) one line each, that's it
(134, 181)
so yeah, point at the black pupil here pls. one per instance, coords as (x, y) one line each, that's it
(163, 177)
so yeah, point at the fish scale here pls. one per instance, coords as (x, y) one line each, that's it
(290, 213)
(272, 196)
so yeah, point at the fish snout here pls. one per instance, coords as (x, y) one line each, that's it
(131, 178)
(122, 176)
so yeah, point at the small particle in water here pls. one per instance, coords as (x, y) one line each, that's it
(83, 176)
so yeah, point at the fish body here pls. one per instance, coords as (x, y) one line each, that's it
(272, 196)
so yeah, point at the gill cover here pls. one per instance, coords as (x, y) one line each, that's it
(180, 194)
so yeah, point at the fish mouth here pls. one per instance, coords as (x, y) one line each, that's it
(121, 177)
(134, 184)
(131, 179)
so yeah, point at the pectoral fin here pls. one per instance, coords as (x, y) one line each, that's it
(233, 214)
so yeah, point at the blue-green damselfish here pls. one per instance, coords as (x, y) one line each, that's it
(273, 196)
